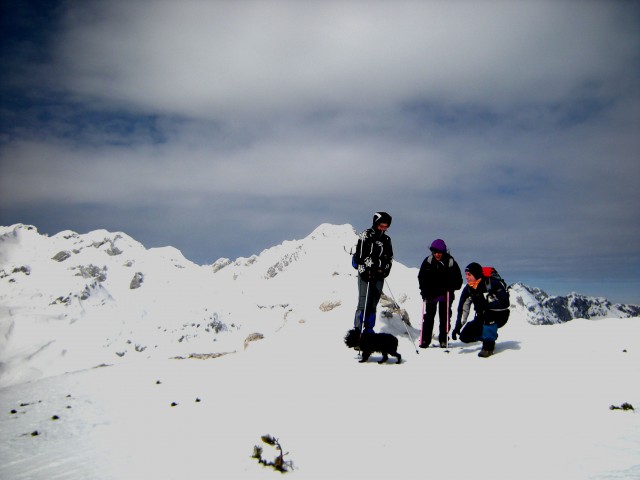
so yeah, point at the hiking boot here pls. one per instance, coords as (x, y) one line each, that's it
(424, 345)
(443, 345)
(485, 353)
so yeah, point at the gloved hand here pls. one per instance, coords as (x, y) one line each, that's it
(456, 332)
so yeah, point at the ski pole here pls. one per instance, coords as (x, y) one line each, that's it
(405, 325)
(422, 321)
(448, 321)
(364, 310)
(364, 316)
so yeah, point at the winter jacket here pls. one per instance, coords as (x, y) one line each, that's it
(374, 255)
(490, 301)
(436, 278)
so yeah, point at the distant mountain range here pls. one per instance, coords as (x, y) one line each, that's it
(541, 308)
(106, 295)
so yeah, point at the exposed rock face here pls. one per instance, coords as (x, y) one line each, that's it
(543, 309)
(136, 281)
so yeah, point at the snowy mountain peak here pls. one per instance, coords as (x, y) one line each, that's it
(541, 308)
(323, 249)
(343, 232)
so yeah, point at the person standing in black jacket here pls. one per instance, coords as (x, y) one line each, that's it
(439, 278)
(373, 259)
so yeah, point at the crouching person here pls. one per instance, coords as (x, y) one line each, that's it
(490, 299)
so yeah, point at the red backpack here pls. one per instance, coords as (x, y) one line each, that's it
(492, 272)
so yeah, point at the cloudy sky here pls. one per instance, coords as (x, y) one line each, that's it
(509, 129)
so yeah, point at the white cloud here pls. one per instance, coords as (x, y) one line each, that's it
(211, 59)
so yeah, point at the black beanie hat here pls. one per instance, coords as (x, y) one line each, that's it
(381, 217)
(475, 269)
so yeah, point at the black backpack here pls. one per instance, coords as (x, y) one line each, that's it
(501, 316)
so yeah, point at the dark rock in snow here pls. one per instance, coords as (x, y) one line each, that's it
(136, 281)
(61, 256)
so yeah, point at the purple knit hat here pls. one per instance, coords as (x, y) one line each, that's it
(438, 245)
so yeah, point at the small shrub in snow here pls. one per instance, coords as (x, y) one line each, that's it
(278, 463)
(624, 406)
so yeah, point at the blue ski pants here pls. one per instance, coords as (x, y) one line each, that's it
(475, 331)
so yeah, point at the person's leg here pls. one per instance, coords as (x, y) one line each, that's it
(489, 337)
(427, 323)
(443, 327)
(375, 292)
(471, 332)
(362, 299)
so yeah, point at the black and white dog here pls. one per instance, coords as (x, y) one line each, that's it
(384, 343)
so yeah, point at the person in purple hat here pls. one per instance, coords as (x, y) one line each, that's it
(439, 278)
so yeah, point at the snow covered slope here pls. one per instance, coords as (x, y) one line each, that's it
(164, 383)
(72, 301)
(539, 408)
